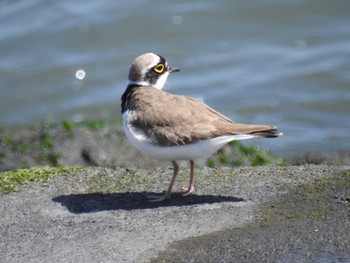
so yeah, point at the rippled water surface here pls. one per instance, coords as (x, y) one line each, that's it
(285, 63)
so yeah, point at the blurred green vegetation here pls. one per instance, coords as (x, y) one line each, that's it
(38, 145)
(238, 154)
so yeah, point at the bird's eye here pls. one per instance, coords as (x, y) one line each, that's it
(159, 68)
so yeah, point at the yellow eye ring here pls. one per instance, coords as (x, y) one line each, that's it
(159, 68)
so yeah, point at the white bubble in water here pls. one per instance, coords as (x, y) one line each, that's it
(300, 44)
(177, 20)
(80, 74)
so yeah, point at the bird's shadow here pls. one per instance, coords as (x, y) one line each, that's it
(97, 202)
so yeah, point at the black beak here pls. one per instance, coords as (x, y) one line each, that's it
(172, 70)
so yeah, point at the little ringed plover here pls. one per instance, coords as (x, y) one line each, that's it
(172, 127)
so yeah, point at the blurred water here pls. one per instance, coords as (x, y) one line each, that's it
(285, 63)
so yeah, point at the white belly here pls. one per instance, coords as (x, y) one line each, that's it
(200, 150)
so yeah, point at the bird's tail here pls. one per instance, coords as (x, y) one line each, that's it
(271, 133)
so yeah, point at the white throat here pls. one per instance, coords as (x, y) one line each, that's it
(161, 81)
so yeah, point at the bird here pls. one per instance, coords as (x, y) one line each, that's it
(172, 127)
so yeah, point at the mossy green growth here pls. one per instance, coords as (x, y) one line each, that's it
(94, 125)
(69, 126)
(238, 154)
(12, 180)
(317, 199)
(39, 144)
(97, 124)
(17, 146)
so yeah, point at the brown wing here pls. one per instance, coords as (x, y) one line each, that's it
(176, 120)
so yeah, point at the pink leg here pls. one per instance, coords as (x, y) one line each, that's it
(190, 189)
(168, 192)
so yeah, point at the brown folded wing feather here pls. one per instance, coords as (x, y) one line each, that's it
(176, 120)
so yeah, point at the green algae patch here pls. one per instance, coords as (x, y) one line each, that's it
(236, 154)
(11, 181)
(92, 125)
(318, 199)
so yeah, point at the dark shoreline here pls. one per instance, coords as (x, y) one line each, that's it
(103, 143)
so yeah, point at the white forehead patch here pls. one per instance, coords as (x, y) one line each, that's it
(146, 61)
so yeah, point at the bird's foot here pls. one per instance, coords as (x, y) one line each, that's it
(186, 191)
